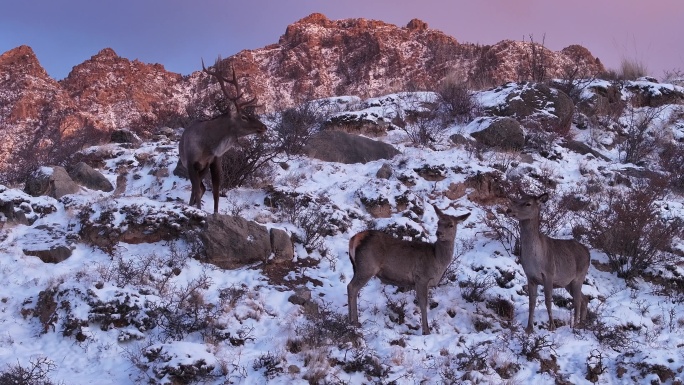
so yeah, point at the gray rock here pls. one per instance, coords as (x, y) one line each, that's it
(538, 105)
(88, 177)
(125, 136)
(338, 146)
(47, 242)
(281, 246)
(231, 242)
(501, 133)
(385, 172)
(51, 181)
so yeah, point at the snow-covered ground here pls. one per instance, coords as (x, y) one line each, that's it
(260, 327)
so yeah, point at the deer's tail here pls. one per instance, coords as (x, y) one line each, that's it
(354, 243)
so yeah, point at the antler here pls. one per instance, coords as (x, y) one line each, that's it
(234, 81)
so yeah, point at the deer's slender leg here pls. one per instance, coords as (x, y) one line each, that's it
(215, 168)
(580, 308)
(195, 176)
(422, 295)
(548, 300)
(357, 282)
(532, 294)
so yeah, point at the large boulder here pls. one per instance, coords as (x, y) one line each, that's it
(648, 92)
(499, 133)
(47, 242)
(536, 105)
(338, 146)
(281, 246)
(90, 178)
(124, 136)
(231, 242)
(51, 181)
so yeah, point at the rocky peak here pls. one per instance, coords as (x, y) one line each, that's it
(125, 91)
(21, 60)
(106, 54)
(417, 25)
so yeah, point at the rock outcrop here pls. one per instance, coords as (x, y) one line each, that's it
(316, 57)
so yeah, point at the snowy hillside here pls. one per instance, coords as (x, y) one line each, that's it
(151, 313)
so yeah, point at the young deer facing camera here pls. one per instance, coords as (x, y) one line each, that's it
(418, 265)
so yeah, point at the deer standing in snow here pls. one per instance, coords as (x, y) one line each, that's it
(204, 142)
(548, 261)
(418, 265)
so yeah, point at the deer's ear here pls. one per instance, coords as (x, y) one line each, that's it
(542, 198)
(438, 211)
(463, 217)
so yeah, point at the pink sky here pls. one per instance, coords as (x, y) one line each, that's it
(178, 33)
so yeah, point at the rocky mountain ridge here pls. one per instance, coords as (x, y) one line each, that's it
(316, 57)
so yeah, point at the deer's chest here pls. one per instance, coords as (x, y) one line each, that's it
(534, 262)
(222, 146)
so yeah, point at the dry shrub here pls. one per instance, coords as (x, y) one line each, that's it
(294, 126)
(458, 100)
(482, 75)
(248, 164)
(672, 161)
(641, 138)
(47, 148)
(627, 226)
(632, 69)
(35, 373)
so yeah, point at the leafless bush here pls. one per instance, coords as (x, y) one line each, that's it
(365, 362)
(151, 270)
(46, 148)
(425, 124)
(35, 373)
(673, 76)
(632, 69)
(251, 162)
(474, 289)
(325, 327)
(397, 309)
(184, 310)
(467, 365)
(595, 366)
(535, 63)
(294, 126)
(672, 161)
(532, 346)
(272, 364)
(315, 227)
(458, 99)
(482, 75)
(607, 112)
(640, 137)
(629, 229)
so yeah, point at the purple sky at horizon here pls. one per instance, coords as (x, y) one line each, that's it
(178, 33)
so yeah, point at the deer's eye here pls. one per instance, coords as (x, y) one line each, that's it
(528, 204)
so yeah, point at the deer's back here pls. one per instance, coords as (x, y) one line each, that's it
(394, 261)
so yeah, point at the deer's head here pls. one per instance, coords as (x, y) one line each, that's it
(244, 120)
(446, 225)
(526, 207)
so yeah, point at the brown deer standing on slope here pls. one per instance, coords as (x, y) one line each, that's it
(547, 261)
(418, 265)
(204, 142)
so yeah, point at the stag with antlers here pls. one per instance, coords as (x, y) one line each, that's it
(204, 142)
